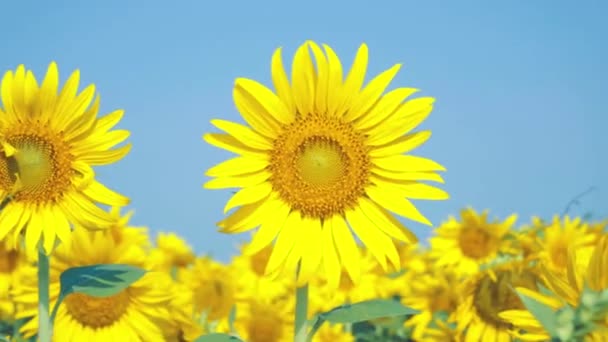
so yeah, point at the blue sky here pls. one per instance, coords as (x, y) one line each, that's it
(520, 88)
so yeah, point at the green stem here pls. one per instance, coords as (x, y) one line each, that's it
(301, 328)
(44, 322)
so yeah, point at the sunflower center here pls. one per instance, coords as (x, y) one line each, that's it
(97, 312)
(38, 171)
(320, 165)
(491, 297)
(476, 243)
(264, 326)
(215, 297)
(8, 260)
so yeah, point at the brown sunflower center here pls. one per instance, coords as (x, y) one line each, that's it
(39, 170)
(492, 297)
(320, 165)
(476, 243)
(8, 260)
(97, 312)
(214, 296)
(264, 326)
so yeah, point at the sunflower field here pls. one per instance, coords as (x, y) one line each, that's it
(324, 174)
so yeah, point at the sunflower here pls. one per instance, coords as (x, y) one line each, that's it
(471, 242)
(183, 316)
(10, 260)
(263, 318)
(332, 333)
(171, 252)
(431, 293)
(252, 278)
(559, 237)
(322, 156)
(138, 313)
(583, 269)
(48, 143)
(213, 286)
(486, 294)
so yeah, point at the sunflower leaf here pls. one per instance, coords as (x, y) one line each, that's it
(217, 338)
(544, 314)
(96, 281)
(360, 312)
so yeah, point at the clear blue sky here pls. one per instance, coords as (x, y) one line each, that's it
(521, 89)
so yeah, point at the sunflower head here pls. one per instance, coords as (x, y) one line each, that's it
(323, 154)
(49, 139)
(470, 242)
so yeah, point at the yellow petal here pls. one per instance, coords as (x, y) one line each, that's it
(237, 166)
(331, 261)
(354, 80)
(269, 229)
(384, 108)
(401, 145)
(48, 229)
(247, 216)
(230, 143)
(9, 218)
(100, 193)
(395, 203)
(334, 82)
(378, 243)
(84, 213)
(371, 93)
(238, 181)
(48, 91)
(258, 120)
(322, 79)
(407, 163)
(248, 195)
(310, 238)
(105, 157)
(33, 231)
(285, 242)
(303, 80)
(380, 175)
(406, 118)
(385, 221)
(264, 101)
(244, 134)
(281, 83)
(62, 226)
(348, 250)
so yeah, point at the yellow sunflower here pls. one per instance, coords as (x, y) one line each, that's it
(559, 237)
(10, 259)
(471, 242)
(332, 333)
(320, 157)
(487, 294)
(431, 293)
(181, 311)
(138, 313)
(213, 286)
(48, 143)
(171, 252)
(582, 269)
(263, 318)
(251, 277)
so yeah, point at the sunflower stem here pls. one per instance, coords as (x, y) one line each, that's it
(301, 313)
(44, 322)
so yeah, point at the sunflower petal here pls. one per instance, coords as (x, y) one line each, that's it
(386, 106)
(334, 81)
(303, 80)
(244, 134)
(396, 203)
(371, 93)
(347, 248)
(281, 83)
(237, 166)
(269, 229)
(407, 163)
(230, 143)
(331, 263)
(355, 79)
(248, 195)
(401, 145)
(286, 241)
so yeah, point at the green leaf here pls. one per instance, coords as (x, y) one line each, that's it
(543, 313)
(217, 338)
(365, 311)
(96, 281)
(360, 312)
